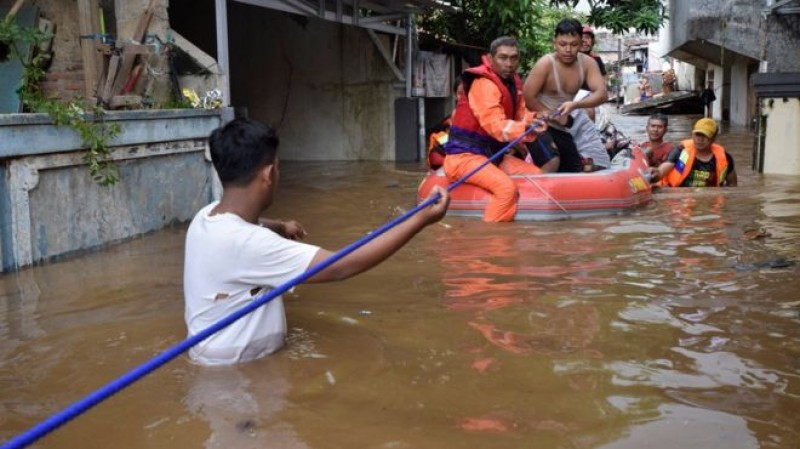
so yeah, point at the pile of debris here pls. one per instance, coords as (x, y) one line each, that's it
(111, 71)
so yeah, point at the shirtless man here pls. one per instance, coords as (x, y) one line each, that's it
(552, 85)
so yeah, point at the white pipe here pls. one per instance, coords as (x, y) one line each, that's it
(409, 53)
(422, 148)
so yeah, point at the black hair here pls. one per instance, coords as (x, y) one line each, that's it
(659, 116)
(569, 26)
(240, 149)
(502, 41)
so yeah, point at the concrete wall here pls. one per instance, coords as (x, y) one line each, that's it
(782, 40)
(49, 205)
(739, 27)
(782, 136)
(324, 85)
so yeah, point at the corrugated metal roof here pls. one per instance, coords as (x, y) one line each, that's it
(380, 15)
(410, 5)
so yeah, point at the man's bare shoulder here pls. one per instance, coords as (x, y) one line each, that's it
(587, 61)
(543, 61)
(541, 68)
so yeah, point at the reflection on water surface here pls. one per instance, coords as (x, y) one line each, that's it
(664, 328)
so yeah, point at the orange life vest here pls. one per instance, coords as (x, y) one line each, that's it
(683, 166)
(436, 149)
(466, 133)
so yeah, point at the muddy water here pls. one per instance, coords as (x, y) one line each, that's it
(663, 328)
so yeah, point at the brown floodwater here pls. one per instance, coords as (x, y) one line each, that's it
(674, 326)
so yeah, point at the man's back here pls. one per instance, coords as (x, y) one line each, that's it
(228, 261)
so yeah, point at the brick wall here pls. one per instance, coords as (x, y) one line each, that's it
(64, 77)
(64, 85)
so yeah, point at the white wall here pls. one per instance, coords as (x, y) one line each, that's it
(657, 49)
(685, 73)
(719, 80)
(782, 142)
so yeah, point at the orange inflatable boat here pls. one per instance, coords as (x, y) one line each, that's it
(558, 196)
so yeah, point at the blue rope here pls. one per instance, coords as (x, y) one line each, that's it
(77, 408)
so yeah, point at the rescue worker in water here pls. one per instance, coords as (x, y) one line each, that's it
(699, 161)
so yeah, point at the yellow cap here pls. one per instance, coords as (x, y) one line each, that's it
(706, 127)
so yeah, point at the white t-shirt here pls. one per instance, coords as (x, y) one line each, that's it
(228, 263)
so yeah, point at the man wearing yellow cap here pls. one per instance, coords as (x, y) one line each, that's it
(699, 162)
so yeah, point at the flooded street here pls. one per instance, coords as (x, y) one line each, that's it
(675, 326)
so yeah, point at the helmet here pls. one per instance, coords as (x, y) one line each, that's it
(588, 30)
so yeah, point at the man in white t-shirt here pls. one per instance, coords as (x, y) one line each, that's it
(233, 255)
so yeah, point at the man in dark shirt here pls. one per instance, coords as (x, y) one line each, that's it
(707, 97)
(587, 44)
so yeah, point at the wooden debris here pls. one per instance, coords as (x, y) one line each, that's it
(753, 234)
(14, 9)
(125, 101)
(105, 93)
(127, 58)
(113, 85)
(89, 39)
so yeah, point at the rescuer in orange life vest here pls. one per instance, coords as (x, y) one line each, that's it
(699, 162)
(490, 114)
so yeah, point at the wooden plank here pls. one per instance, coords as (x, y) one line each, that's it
(101, 82)
(14, 9)
(125, 101)
(113, 65)
(144, 22)
(646, 106)
(99, 58)
(129, 54)
(89, 26)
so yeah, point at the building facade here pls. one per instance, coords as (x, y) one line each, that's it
(737, 45)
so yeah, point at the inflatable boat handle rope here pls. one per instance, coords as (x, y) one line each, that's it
(77, 408)
(547, 194)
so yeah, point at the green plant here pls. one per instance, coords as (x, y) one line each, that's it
(477, 22)
(95, 134)
(621, 16)
(173, 102)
